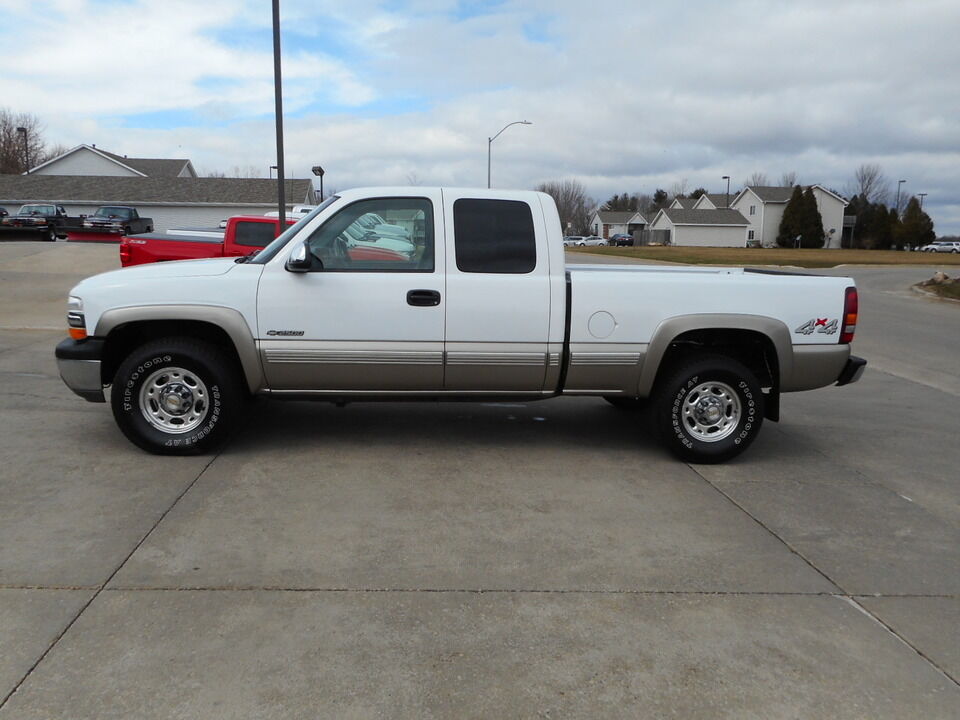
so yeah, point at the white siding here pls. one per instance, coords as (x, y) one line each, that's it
(831, 212)
(709, 236)
(703, 203)
(166, 217)
(84, 162)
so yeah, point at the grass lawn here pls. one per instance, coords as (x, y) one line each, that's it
(775, 256)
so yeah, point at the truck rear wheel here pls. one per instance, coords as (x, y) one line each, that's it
(176, 396)
(710, 410)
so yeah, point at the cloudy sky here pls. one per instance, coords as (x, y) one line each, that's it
(625, 96)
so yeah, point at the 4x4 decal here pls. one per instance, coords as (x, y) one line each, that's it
(820, 325)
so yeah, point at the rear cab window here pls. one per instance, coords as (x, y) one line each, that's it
(494, 236)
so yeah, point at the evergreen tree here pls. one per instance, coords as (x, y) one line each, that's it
(811, 223)
(790, 224)
(697, 193)
(916, 227)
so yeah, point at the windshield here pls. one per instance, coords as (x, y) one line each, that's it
(120, 212)
(37, 210)
(267, 254)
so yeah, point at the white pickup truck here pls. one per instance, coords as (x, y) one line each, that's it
(480, 306)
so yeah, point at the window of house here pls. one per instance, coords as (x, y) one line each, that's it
(494, 236)
(749, 234)
(753, 209)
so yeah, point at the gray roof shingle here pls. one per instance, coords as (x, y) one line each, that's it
(720, 199)
(151, 167)
(100, 190)
(720, 216)
(615, 217)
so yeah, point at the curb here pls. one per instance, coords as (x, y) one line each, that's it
(926, 293)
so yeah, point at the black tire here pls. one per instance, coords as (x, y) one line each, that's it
(50, 234)
(626, 403)
(685, 408)
(204, 379)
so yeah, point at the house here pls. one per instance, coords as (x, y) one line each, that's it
(90, 160)
(172, 201)
(722, 227)
(607, 223)
(712, 201)
(763, 207)
(683, 203)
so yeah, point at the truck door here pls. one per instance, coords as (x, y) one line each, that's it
(498, 294)
(370, 318)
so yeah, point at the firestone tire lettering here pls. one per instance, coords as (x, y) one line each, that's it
(209, 363)
(669, 402)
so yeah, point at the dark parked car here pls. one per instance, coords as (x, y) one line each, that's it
(3, 212)
(620, 240)
(48, 219)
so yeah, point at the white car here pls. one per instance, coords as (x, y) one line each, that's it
(595, 241)
(574, 241)
(942, 246)
(482, 307)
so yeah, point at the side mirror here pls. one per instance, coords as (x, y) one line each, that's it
(300, 260)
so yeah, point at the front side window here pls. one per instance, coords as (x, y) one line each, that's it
(254, 234)
(494, 236)
(378, 235)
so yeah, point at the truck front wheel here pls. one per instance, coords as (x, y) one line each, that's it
(710, 410)
(50, 234)
(176, 396)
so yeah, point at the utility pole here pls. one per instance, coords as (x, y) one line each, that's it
(921, 196)
(26, 147)
(727, 178)
(277, 91)
(899, 183)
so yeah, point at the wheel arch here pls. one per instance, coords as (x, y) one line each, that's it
(126, 328)
(761, 343)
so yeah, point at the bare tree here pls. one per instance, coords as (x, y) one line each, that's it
(788, 179)
(213, 174)
(870, 183)
(572, 203)
(16, 146)
(678, 189)
(757, 178)
(413, 179)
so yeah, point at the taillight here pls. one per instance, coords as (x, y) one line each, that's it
(124, 252)
(851, 306)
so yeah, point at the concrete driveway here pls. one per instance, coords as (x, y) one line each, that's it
(491, 560)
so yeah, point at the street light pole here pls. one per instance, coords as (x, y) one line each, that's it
(278, 96)
(318, 171)
(921, 196)
(270, 171)
(491, 139)
(26, 147)
(727, 178)
(899, 183)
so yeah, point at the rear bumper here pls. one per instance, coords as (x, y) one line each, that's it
(79, 366)
(852, 370)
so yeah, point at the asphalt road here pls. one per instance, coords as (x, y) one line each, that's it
(487, 560)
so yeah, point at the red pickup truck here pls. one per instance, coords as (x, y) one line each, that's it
(244, 235)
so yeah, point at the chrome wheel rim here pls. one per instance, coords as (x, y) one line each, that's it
(174, 400)
(711, 411)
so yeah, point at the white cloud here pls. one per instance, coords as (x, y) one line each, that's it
(624, 96)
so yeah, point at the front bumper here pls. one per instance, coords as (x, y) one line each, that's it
(852, 370)
(79, 365)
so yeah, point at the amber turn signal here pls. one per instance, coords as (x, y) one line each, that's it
(78, 333)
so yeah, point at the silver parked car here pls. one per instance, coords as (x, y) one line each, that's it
(595, 241)
(942, 246)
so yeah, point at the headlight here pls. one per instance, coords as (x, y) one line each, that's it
(76, 322)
